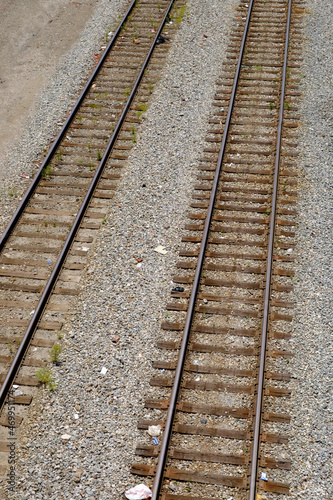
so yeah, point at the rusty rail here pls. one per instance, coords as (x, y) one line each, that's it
(261, 376)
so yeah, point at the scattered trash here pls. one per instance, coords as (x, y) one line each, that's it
(104, 370)
(139, 265)
(109, 35)
(263, 476)
(205, 36)
(203, 421)
(289, 250)
(23, 175)
(115, 338)
(32, 312)
(139, 492)
(49, 261)
(18, 392)
(178, 289)
(154, 430)
(76, 416)
(139, 260)
(153, 31)
(97, 57)
(205, 301)
(161, 39)
(15, 386)
(155, 441)
(85, 249)
(197, 379)
(160, 249)
(195, 362)
(65, 437)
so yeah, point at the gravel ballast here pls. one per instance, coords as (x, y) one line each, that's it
(311, 443)
(124, 298)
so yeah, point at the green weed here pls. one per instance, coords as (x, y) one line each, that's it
(142, 106)
(44, 375)
(180, 14)
(55, 353)
(46, 172)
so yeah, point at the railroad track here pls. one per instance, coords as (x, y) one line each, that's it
(222, 384)
(45, 247)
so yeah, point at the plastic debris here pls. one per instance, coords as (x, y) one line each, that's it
(15, 386)
(178, 289)
(76, 416)
(32, 312)
(197, 379)
(104, 370)
(161, 39)
(49, 261)
(66, 437)
(263, 476)
(139, 492)
(154, 430)
(155, 441)
(18, 392)
(203, 421)
(153, 31)
(115, 338)
(109, 35)
(160, 249)
(205, 301)
(139, 264)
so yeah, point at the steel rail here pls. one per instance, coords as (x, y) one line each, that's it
(64, 252)
(264, 330)
(62, 133)
(190, 312)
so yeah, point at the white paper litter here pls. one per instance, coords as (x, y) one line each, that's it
(65, 437)
(104, 370)
(154, 430)
(160, 249)
(18, 392)
(139, 492)
(15, 386)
